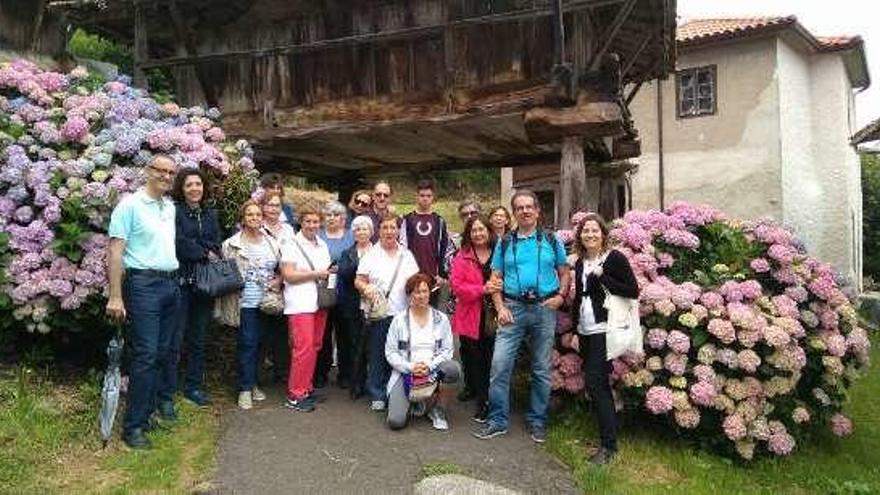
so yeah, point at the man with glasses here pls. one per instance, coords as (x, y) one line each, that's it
(381, 206)
(530, 276)
(144, 287)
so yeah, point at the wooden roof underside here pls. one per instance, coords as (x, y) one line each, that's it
(332, 88)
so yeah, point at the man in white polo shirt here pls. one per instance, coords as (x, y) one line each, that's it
(144, 287)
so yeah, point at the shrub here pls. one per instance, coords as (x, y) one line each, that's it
(750, 343)
(71, 145)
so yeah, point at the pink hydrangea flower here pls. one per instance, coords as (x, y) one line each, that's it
(841, 426)
(734, 427)
(760, 265)
(678, 341)
(658, 400)
(703, 393)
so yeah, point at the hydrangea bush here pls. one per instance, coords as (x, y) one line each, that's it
(70, 146)
(750, 343)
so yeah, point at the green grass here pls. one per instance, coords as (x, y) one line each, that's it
(654, 462)
(49, 442)
(440, 468)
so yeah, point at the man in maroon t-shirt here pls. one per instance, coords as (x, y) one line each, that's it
(424, 233)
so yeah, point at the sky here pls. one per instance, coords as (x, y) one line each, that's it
(820, 17)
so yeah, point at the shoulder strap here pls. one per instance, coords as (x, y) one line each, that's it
(303, 251)
(394, 277)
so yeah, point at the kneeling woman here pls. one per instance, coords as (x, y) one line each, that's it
(596, 269)
(419, 350)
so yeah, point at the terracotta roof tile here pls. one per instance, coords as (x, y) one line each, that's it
(704, 29)
(697, 31)
(837, 42)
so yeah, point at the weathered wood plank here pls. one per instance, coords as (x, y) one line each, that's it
(588, 120)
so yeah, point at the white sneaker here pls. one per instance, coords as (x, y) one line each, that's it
(258, 394)
(245, 400)
(377, 406)
(438, 419)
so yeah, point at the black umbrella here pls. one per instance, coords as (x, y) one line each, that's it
(112, 382)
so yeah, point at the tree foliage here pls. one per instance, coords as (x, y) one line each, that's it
(871, 214)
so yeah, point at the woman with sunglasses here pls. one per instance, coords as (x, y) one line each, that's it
(360, 204)
(338, 239)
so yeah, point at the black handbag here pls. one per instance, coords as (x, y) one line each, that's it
(217, 278)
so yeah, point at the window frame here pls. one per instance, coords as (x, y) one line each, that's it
(694, 71)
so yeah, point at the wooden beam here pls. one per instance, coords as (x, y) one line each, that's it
(572, 180)
(141, 44)
(590, 120)
(395, 34)
(611, 33)
(635, 56)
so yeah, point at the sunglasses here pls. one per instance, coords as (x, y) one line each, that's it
(361, 202)
(472, 213)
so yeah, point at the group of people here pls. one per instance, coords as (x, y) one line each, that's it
(363, 285)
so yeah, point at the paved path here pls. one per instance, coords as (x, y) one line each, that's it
(342, 447)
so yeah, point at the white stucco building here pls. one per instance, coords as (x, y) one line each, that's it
(767, 132)
(757, 121)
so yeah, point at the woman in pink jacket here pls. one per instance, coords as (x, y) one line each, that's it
(469, 279)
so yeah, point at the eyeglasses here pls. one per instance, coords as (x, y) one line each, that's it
(470, 213)
(163, 171)
(361, 203)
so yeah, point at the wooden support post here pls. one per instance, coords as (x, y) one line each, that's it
(141, 47)
(572, 179)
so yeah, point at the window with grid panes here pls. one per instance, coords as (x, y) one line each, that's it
(697, 91)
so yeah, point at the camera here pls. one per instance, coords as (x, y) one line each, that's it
(529, 296)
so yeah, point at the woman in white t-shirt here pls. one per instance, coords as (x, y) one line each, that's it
(381, 276)
(419, 349)
(304, 261)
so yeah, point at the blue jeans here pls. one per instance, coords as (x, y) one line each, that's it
(379, 370)
(151, 303)
(194, 316)
(252, 326)
(539, 323)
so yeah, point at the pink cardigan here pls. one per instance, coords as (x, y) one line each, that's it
(466, 279)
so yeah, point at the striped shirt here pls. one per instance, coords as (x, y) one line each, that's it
(261, 269)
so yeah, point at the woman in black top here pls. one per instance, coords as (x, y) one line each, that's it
(596, 267)
(197, 241)
(348, 302)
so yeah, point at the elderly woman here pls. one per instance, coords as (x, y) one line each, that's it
(381, 276)
(598, 268)
(304, 262)
(348, 305)
(469, 279)
(197, 242)
(338, 239)
(275, 341)
(419, 350)
(256, 254)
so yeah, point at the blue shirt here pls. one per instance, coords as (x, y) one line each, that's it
(147, 226)
(339, 245)
(529, 264)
